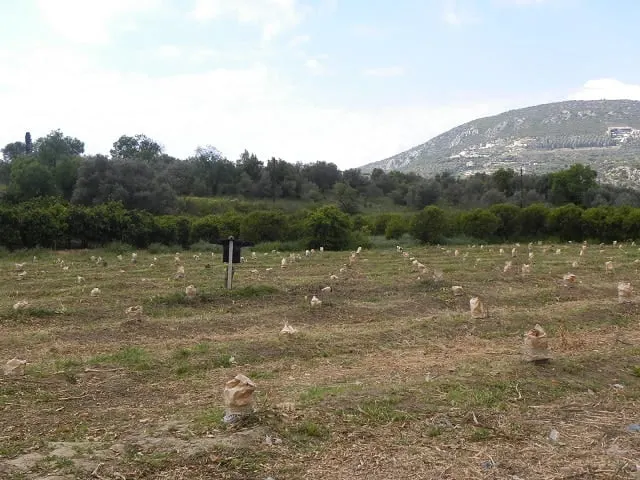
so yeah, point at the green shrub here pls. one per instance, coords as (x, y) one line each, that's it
(379, 223)
(263, 226)
(429, 225)
(508, 215)
(330, 228)
(118, 248)
(230, 223)
(165, 230)
(290, 246)
(532, 221)
(360, 239)
(479, 223)
(397, 226)
(566, 222)
(205, 229)
(206, 247)
(158, 248)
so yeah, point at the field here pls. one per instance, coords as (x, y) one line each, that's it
(390, 378)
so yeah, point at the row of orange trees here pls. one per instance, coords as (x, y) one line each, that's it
(52, 224)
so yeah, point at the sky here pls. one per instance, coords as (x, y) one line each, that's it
(343, 81)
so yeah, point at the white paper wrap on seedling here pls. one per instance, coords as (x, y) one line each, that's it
(15, 366)
(238, 396)
(625, 292)
(536, 346)
(478, 310)
(438, 275)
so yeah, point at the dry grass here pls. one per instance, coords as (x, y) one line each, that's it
(389, 378)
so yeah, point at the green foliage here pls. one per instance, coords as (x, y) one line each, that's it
(137, 148)
(503, 179)
(30, 179)
(508, 216)
(379, 223)
(287, 246)
(429, 225)
(566, 222)
(347, 198)
(360, 239)
(136, 184)
(142, 177)
(13, 150)
(397, 226)
(328, 227)
(183, 232)
(203, 246)
(66, 175)
(263, 226)
(532, 221)
(571, 185)
(479, 223)
(205, 229)
(56, 148)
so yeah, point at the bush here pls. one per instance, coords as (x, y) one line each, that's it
(159, 248)
(532, 221)
(183, 232)
(206, 247)
(118, 248)
(165, 230)
(381, 242)
(397, 226)
(360, 239)
(379, 224)
(567, 223)
(508, 215)
(263, 226)
(287, 246)
(479, 223)
(205, 229)
(429, 225)
(330, 228)
(230, 223)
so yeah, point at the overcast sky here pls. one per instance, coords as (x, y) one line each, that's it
(346, 81)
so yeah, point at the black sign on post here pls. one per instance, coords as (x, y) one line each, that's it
(231, 248)
(237, 245)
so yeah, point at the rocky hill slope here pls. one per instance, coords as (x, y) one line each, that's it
(604, 134)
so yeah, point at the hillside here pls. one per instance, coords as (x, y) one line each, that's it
(540, 139)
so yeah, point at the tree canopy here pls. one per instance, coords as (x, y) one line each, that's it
(141, 175)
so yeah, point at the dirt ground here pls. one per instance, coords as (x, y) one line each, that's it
(389, 378)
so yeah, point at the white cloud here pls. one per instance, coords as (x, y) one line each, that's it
(316, 64)
(395, 71)
(168, 51)
(272, 16)
(456, 15)
(299, 40)
(249, 108)
(521, 3)
(367, 31)
(91, 22)
(606, 89)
